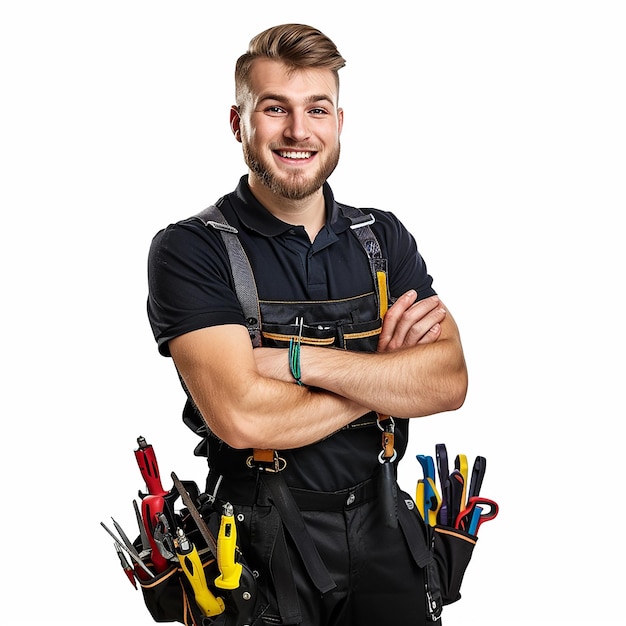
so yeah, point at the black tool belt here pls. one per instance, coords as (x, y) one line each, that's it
(256, 491)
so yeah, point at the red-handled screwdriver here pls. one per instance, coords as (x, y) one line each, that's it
(149, 468)
(153, 503)
(128, 570)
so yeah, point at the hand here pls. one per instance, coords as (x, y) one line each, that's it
(409, 323)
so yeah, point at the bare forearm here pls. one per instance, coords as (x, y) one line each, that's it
(246, 400)
(418, 370)
(283, 415)
(411, 382)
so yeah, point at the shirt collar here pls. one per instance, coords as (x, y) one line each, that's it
(256, 217)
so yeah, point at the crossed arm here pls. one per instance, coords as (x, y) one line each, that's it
(249, 400)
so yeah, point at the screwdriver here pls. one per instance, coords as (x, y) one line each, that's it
(226, 547)
(192, 566)
(132, 553)
(149, 468)
(128, 570)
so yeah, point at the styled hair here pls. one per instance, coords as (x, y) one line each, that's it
(296, 45)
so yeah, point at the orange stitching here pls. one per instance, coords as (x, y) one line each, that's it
(309, 340)
(453, 534)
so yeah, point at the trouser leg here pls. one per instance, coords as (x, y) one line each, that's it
(388, 586)
(377, 580)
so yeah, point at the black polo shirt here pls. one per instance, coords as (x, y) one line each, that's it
(191, 286)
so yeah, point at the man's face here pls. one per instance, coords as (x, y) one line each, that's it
(289, 126)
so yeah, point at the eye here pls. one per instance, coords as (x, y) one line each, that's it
(318, 111)
(275, 110)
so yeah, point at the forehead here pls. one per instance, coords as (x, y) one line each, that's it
(272, 78)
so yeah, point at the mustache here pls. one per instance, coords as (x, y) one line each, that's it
(294, 145)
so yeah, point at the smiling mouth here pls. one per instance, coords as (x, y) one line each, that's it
(294, 155)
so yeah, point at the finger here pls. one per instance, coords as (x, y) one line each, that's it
(419, 330)
(415, 322)
(393, 316)
(431, 336)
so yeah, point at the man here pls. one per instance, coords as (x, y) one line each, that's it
(318, 392)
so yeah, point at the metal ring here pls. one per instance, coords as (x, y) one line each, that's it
(393, 423)
(279, 465)
(381, 458)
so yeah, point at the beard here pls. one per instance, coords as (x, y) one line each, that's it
(294, 185)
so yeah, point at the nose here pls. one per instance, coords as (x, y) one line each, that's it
(297, 128)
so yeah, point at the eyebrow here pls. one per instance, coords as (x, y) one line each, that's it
(309, 100)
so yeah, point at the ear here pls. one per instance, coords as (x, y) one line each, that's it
(339, 120)
(235, 120)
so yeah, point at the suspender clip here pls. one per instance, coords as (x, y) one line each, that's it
(266, 461)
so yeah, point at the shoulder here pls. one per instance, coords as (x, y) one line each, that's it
(385, 224)
(188, 249)
(190, 234)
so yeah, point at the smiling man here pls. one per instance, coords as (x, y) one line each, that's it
(291, 420)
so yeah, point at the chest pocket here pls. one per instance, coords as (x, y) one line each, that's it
(352, 323)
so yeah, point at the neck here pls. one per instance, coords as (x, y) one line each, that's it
(309, 212)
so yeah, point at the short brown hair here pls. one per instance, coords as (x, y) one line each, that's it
(296, 45)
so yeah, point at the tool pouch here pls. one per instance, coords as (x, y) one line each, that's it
(444, 554)
(169, 597)
(452, 550)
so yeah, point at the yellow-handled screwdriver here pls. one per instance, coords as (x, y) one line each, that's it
(192, 566)
(226, 548)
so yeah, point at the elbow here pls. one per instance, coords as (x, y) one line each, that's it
(456, 390)
(456, 400)
(237, 430)
(446, 394)
(240, 428)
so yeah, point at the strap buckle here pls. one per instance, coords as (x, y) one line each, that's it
(387, 425)
(266, 461)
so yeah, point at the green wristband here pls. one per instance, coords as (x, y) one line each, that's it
(294, 359)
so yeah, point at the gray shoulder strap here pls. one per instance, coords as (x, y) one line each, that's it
(243, 277)
(361, 223)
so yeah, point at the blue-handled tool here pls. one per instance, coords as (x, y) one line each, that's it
(428, 498)
(432, 502)
(428, 465)
(473, 523)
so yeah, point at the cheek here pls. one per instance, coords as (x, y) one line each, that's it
(248, 134)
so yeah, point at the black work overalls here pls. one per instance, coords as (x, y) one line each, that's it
(321, 558)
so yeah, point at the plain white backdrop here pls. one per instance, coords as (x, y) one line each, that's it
(494, 129)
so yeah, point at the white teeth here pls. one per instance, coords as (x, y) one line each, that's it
(295, 155)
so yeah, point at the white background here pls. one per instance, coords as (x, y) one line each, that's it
(494, 129)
